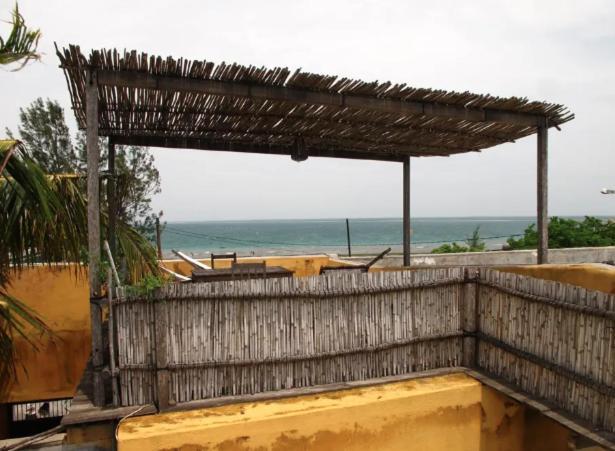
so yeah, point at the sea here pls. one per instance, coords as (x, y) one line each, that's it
(317, 236)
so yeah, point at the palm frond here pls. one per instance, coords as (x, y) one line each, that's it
(43, 220)
(21, 44)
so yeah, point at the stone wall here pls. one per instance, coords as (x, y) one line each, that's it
(497, 258)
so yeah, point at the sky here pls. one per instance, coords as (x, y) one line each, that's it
(558, 51)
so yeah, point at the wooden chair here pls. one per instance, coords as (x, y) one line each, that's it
(223, 257)
(355, 268)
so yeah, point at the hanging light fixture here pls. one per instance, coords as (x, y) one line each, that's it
(299, 151)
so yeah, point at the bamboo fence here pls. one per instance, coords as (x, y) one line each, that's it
(189, 342)
(241, 337)
(552, 340)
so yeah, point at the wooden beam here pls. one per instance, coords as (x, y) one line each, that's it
(93, 183)
(233, 115)
(93, 194)
(312, 138)
(542, 194)
(134, 79)
(406, 211)
(257, 143)
(268, 149)
(111, 200)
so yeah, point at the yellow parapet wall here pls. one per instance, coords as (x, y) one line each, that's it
(61, 298)
(588, 275)
(452, 412)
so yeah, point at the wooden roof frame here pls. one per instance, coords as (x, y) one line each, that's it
(151, 101)
(136, 99)
(138, 80)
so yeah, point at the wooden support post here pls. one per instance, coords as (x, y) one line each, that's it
(348, 237)
(111, 199)
(469, 306)
(93, 192)
(91, 98)
(406, 211)
(158, 238)
(542, 198)
(163, 393)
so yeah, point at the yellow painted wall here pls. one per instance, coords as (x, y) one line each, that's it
(452, 412)
(61, 299)
(590, 276)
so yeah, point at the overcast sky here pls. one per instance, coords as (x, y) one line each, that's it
(559, 51)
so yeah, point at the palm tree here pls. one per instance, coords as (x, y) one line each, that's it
(43, 220)
(21, 44)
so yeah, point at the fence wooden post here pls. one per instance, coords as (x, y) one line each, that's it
(115, 392)
(469, 317)
(98, 392)
(161, 325)
(158, 238)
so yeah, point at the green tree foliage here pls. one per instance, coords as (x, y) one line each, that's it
(473, 244)
(137, 180)
(590, 232)
(44, 131)
(20, 46)
(449, 248)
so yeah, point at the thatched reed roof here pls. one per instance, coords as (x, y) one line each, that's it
(166, 102)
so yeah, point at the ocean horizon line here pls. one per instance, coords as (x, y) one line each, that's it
(381, 218)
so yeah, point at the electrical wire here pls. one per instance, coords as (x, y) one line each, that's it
(188, 233)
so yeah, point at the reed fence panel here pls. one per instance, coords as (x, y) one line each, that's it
(242, 337)
(552, 340)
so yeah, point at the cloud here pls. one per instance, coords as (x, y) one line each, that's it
(558, 51)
